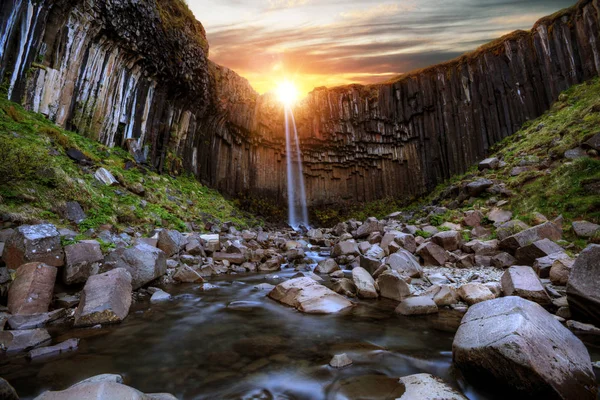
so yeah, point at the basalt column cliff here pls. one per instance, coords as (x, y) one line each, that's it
(136, 73)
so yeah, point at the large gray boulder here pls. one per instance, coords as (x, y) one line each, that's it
(171, 242)
(82, 260)
(583, 288)
(547, 230)
(144, 262)
(393, 286)
(31, 243)
(105, 299)
(371, 225)
(365, 283)
(345, 248)
(432, 254)
(519, 345)
(448, 240)
(405, 263)
(31, 291)
(522, 281)
(308, 296)
(527, 255)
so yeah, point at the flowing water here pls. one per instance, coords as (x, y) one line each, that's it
(232, 342)
(296, 190)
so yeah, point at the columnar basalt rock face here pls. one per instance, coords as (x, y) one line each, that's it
(121, 69)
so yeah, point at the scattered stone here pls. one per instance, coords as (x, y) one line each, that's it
(427, 387)
(233, 258)
(31, 291)
(369, 226)
(23, 340)
(473, 218)
(448, 240)
(65, 300)
(364, 283)
(143, 262)
(327, 266)
(583, 329)
(393, 286)
(542, 248)
(522, 281)
(7, 392)
(473, 293)
(308, 296)
(510, 228)
(405, 263)
(474, 189)
(543, 265)
(593, 143)
(340, 361)
(82, 260)
(371, 261)
(489, 163)
(499, 216)
(345, 248)
(575, 153)
(345, 287)
(160, 296)
(585, 229)
(104, 176)
(583, 288)
(446, 296)
(105, 299)
(74, 212)
(421, 305)
(503, 260)
(546, 230)
(561, 270)
(31, 243)
(187, 274)
(63, 347)
(171, 242)
(32, 321)
(521, 346)
(432, 254)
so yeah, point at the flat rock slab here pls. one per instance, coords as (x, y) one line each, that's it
(340, 361)
(522, 281)
(583, 288)
(105, 299)
(585, 229)
(427, 387)
(308, 296)
(34, 243)
(520, 346)
(421, 305)
(34, 320)
(23, 340)
(31, 291)
(63, 347)
(103, 390)
(527, 255)
(547, 230)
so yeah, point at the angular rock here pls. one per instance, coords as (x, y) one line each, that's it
(542, 265)
(583, 288)
(473, 218)
(160, 296)
(405, 264)
(82, 260)
(546, 230)
(233, 258)
(7, 392)
(585, 229)
(561, 270)
(393, 286)
(32, 321)
(102, 390)
(31, 291)
(187, 274)
(34, 243)
(327, 266)
(499, 216)
(23, 340)
(369, 226)
(510, 228)
(308, 296)
(345, 287)
(427, 387)
(432, 254)
(593, 143)
(143, 262)
(473, 293)
(542, 248)
(448, 240)
(105, 299)
(519, 345)
(421, 305)
(340, 361)
(371, 261)
(345, 248)
(365, 283)
(489, 163)
(271, 265)
(171, 242)
(63, 347)
(474, 189)
(522, 281)
(104, 176)
(503, 260)
(446, 296)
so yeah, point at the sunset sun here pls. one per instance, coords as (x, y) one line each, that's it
(287, 93)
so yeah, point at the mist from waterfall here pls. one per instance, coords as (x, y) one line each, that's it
(297, 208)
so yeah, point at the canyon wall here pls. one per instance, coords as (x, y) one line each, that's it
(136, 72)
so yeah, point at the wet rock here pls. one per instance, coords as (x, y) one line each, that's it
(160, 296)
(542, 248)
(345, 287)
(171, 242)
(308, 296)
(421, 305)
(327, 266)
(371, 387)
(519, 345)
(32, 321)
(271, 265)
(561, 270)
(583, 288)
(365, 283)
(524, 238)
(7, 392)
(448, 240)
(340, 361)
(503, 260)
(23, 340)
(432, 254)
(63, 347)
(34, 243)
(187, 274)
(474, 189)
(543, 265)
(405, 263)
(585, 229)
(522, 281)
(195, 248)
(473, 293)
(31, 291)
(345, 248)
(144, 263)
(427, 387)
(104, 176)
(392, 286)
(372, 259)
(82, 260)
(105, 299)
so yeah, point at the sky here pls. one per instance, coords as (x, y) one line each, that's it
(336, 42)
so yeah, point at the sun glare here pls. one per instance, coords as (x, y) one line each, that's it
(287, 93)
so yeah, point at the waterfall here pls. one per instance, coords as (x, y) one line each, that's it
(28, 26)
(297, 208)
(6, 31)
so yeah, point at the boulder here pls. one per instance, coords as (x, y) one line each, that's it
(499, 216)
(585, 229)
(365, 283)
(542, 248)
(82, 260)
(105, 299)
(427, 387)
(510, 228)
(23, 340)
(345, 248)
(171, 242)
(404, 240)
(583, 288)
(393, 286)
(522, 281)
(503, 260)
(473, 218)
(446, 296)
(371, 261)
(519, 345)
(143, 262)
(421, 305)
(592, 143)
(369, 226)
(34, 243)
(448, 240)
(561, 270)
(7, 392)
(432, 254)
(546, 230)
(30, 321)
(73, 212)
(187, 274)
(31, 291)
(233, 258)
(542, 265)
(104, 176)
(63, 347)
(473, 293)
(327, 266)
(345, 287)
(340, 361)
(102, 389)
(474, 189)
(308, 296)
(271, 265)
(489, 163)
(405, 263)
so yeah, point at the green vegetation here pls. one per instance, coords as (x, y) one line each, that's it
(37, 178)
(176, 16)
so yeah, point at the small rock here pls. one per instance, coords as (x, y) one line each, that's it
(421, 305)
(427, 387)
(393, 286)
(340, 361)
(104, 176)
(82, 260)
(473, 293)
(585, 229)
(160, 296)
(327, 266)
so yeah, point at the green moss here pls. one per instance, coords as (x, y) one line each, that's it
(423, 234)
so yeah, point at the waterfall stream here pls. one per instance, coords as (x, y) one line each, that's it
(296, 190)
